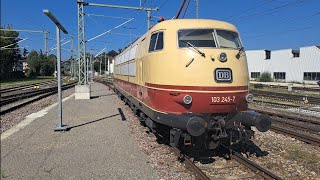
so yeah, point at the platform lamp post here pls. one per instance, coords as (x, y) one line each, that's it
(59, 27)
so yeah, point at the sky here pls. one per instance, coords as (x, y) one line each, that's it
(262, 24)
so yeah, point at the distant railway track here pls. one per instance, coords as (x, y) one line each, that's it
(287, 116)
(16, 88)
(254, 167)
(286, 97)
(315, 89)
(309, 125)
(35, 96)
(302, 137)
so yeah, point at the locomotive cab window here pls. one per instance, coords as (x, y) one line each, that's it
(156, 42)
(228, 39)
(196, 37)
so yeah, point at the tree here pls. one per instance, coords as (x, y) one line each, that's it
(265, 77)
(33, 63)
(9, 57)
(112, 53)
(40, 64)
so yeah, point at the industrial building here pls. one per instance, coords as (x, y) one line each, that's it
(286, 65)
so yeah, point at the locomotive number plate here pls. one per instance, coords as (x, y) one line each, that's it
(223, 75)
(223, 99)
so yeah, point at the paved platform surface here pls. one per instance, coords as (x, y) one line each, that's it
(97, 147)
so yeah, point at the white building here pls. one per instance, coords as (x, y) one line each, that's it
(286, 65)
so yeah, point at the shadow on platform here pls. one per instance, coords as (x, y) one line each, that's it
(97, 120)
(94, 97)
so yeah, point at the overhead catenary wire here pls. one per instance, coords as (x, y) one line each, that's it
(56, 44)
(14, 43)
(60, 45)
(248, 10)
(6, 37)
(290, 30)
(14, 48)
(186, 9)
(269, 11)
(110, 30)
(284, 21)
(114, 17)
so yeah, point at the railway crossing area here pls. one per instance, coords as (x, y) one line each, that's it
(97, 145)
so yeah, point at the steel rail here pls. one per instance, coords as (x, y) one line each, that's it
(291, 124)
(16, 97)
(312, 100)
(5, 90)
(191, 166)
(302, 137)
(278, 104)
(317, 89)
(254, 166)
(288, 116)
(68, 86)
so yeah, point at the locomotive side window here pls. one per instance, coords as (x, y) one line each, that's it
(159, 41)
(228, 39)
(156, 42)
(196, 37)
(153, 41)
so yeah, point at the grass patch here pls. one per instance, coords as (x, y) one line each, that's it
(309, 160)
(2, 175)
(26, 81)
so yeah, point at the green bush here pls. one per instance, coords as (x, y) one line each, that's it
(265, 77)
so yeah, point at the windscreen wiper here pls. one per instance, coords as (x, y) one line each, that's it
(195, 48)
(240, 51)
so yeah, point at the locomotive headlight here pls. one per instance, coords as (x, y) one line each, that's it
(249, 98)
(187, 99)
(223, 57)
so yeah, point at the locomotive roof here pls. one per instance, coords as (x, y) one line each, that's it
(186, 24)
(193, 23)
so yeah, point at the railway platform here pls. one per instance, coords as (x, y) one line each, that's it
(98, 144)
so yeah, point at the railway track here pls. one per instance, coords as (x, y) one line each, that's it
(316, 89)
(200, 174)
(302, 137)
(309, 125)
(287, 97)
(16, 88)
(35, 96)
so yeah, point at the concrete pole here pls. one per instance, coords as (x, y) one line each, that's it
(108, 66)
(149, 19)
(91, 70)
(100, 65)
(59, 78)
(46, 43)
(72, 61)
(105, 64)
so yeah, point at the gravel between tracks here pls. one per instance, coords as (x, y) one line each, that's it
(290, 158)
(12, 118)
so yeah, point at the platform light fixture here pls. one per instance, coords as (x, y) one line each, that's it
(59, 27)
